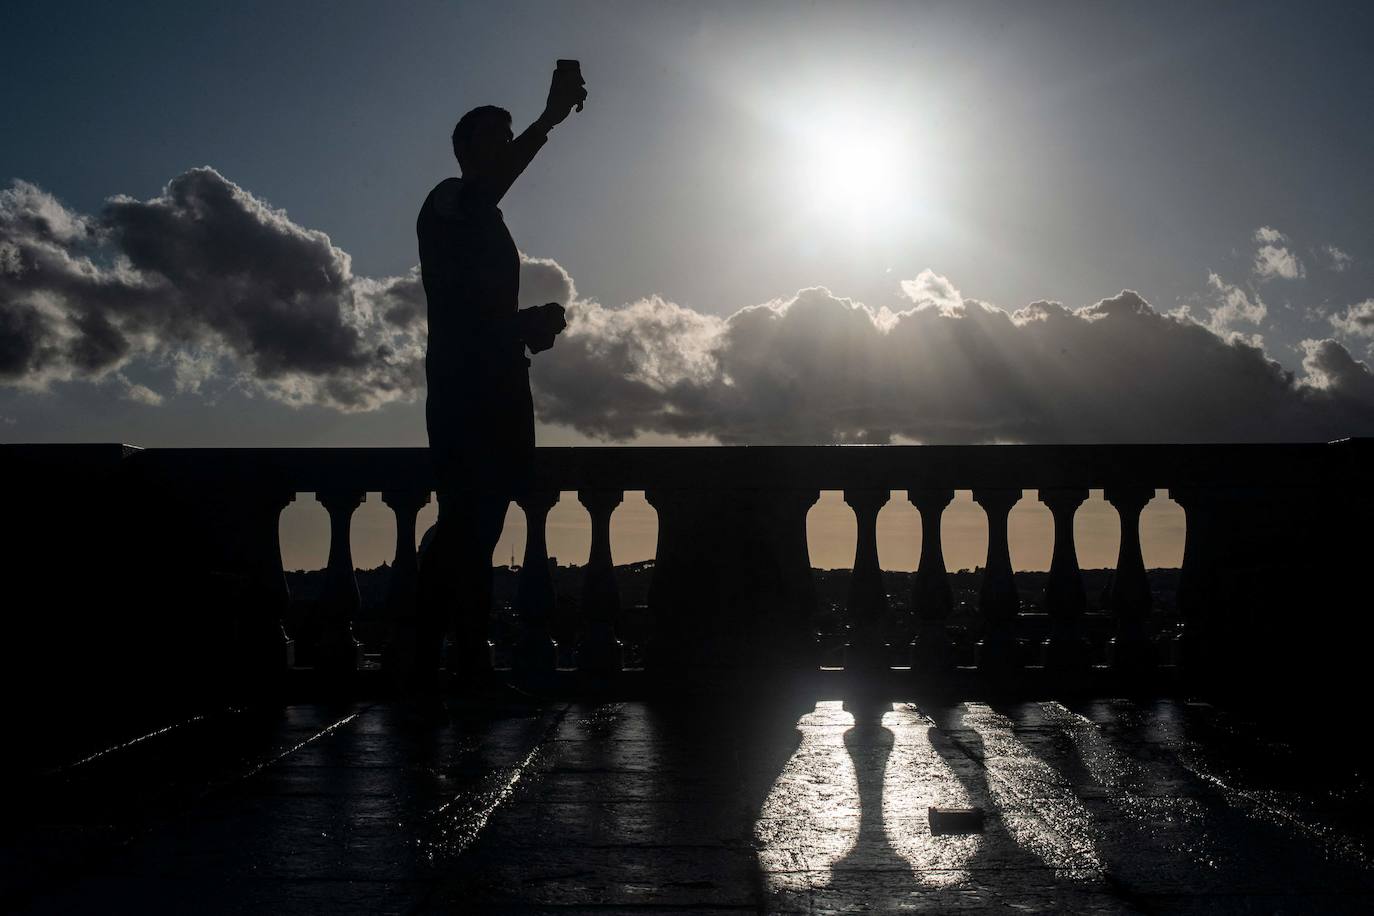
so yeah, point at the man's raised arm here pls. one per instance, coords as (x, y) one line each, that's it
(566, 90)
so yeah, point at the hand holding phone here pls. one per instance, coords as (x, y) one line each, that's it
(569, 88)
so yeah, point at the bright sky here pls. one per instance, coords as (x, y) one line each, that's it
(1208, 156)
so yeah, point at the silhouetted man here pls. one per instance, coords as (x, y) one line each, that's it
(478, 412)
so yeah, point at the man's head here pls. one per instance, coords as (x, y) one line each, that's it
(480, 137)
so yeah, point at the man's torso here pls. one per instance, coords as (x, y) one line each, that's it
(478, 402)
(470, 268)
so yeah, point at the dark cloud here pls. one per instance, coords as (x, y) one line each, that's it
(214, 283)
(819, 368)
(1356, 321)
(647, 366)
(208, 279)
(26, 341)
(401, 300)
(216, 286)
(1330, 368)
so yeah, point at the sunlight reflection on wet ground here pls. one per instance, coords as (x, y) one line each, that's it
(855, 794)
(782, 805)
(1109, 805)
(854, 797)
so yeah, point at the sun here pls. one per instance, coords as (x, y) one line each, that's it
(842, 165)
(854, 168)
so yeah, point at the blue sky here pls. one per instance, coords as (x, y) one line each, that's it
(1028, 151)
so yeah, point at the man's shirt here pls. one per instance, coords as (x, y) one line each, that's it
(470, 268)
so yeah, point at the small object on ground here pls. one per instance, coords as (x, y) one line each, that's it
(955, 820)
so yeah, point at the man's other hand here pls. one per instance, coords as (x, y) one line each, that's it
(554, 316)
(543, 324)
(538, 343)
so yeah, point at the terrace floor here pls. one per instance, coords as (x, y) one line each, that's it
(813, 805)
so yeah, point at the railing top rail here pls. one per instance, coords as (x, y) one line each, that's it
(830, 467)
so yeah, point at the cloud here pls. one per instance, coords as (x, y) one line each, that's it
(816, 367)
(139, 394)
(205, 279)
(1273, 259)
(646, 366)
(217, 290)
(1337, 259)
(1235, 306)
(931, 289)
(1357, 320)
(1330, 367)
(544, 280)
(1277, 261)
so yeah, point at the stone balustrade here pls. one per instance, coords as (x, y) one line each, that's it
(732, 584)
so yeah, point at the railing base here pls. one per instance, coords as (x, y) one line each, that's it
(897, 684)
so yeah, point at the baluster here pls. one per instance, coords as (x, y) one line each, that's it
(1130, 596)
(1197, 580)
(337, 651)
(794, 634)
(867, 599)
(402, 612)
(931, 597)
(534, 594)
(267, 649)
(674, 585)
(598, 648)
(998, 651)
(1065, 599)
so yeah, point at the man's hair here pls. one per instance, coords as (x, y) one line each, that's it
(467, 125)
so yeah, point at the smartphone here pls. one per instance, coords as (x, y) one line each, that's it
(576, 67)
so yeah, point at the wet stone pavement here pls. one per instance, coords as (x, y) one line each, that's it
(814, 806)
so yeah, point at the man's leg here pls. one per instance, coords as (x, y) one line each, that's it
(476, 485)
(436, 593)
(484, 515)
